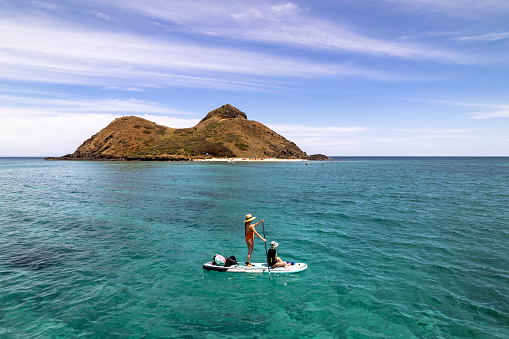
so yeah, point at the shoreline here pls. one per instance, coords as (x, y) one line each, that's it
(231, 160)
(224, 160)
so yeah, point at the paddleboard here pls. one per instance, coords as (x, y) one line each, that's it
(257, 268)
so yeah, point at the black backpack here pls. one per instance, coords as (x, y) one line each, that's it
(230, 261)
(271, 257)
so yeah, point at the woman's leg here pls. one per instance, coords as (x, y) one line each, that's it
(250, 247)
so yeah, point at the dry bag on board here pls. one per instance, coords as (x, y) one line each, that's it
(219, 260)
(230, 261)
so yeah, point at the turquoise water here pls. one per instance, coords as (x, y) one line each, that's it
(396, 247)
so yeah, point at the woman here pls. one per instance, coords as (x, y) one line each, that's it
(250, 231)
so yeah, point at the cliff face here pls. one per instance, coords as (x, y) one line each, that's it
(225, 132)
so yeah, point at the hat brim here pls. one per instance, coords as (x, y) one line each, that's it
(250, 219)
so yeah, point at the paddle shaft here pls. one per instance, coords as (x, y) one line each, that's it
(266, 253)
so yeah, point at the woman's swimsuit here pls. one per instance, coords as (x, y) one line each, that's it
(249, 234)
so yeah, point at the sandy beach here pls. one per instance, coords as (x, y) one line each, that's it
(249, 160)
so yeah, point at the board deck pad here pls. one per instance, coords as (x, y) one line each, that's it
(257, 268)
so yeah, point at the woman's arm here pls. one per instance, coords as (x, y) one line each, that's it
(254, 230)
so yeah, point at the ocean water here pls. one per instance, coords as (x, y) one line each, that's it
(396, 248)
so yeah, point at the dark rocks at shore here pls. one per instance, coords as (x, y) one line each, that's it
(318, 157)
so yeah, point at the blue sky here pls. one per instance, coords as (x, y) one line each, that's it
(339, 77)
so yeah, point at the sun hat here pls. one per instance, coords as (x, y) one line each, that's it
(249, 217)
(273, 245)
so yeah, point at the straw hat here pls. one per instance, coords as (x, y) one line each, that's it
(249, 217)
(273, 245)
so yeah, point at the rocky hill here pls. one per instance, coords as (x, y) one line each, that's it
(223, 133)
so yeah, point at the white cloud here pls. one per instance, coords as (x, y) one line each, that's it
(441, 134)
(44, 5)
(460, 8)
(376, 141)
(414, 134)
(48, 135)
(100, 15)
(283, 24)
(286, 8)
(54, 105)
(314, 131)
(489, 115)
(488, 110)
(34, 126)
(62, 53)
(331, 139)
(485, 37)
(323, 139)
(60, 134)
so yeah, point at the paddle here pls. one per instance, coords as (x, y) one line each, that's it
(266, 253)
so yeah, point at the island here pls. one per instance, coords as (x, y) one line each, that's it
(224, 133)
